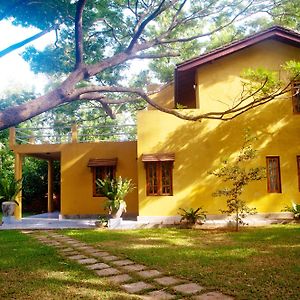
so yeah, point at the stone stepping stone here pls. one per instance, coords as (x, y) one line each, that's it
(98, 266)
(76, 245)
(136, 287)
(110, 258)
(57, 236)
(117, 279)
(67, 240)
(77, 257)
(107, 272)
(27, 231)
(168, 280)
(149, 273)
(90, 250)
(66, 250)
(213, 296)
(99, 254)
(51, 243)
(160, 295)
(85, 248)
(70, 253)
(42, 239)
(87, 261)
(123, 262)
(59, 246)
(134, 267)
(188, 288)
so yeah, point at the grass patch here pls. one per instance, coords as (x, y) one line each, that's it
(30, 270)
(256, 263)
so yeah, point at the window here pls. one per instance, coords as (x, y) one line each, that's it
(273, 174)
(298, 168)
(159, 174)
(102, 168)
(296, 97)
(102, 173)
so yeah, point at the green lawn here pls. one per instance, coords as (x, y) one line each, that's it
(256, 263)
(29, 270)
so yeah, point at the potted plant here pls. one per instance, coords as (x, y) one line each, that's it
(9, 189)
(115, 191)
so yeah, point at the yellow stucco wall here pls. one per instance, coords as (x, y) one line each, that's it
(76, 186)
(165, 98)
(77, 179)
(199, 146)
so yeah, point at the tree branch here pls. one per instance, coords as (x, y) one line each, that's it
(26, 41)
(156, 55)
(79, 33)
(197, 36)
(141, 28)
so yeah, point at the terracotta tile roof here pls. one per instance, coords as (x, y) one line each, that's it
(99, 162)
(158, 157)
(275, 32)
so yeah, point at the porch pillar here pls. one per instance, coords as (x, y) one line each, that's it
(18, 176)
(50, 185)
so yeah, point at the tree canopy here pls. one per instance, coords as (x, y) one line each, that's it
(98, 39)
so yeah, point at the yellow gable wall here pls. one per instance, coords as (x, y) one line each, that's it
(219, 82)
(199, 146)
(77, 178)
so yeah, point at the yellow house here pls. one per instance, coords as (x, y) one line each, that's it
(170, 161)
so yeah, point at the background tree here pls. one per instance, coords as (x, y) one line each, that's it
(237, 173)
(97, 41)
(35, 171)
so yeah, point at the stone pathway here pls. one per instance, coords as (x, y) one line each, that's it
(135, 279)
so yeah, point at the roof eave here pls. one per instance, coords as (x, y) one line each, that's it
(277, 33)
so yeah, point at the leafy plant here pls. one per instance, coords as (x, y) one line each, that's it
(239, 175)
(192, 216)
(115, 190)
(295, 209)
(102, 222)
(9, 188)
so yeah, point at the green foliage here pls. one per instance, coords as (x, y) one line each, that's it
(115, 190)
(9, 188)
(35, 184)
(287, 13)
(293, 68)
(6, 156)
(238, 174)
(295, 209)
(260, 82)
(192, 216)
(102, 222)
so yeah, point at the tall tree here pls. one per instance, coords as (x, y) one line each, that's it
(99, 38)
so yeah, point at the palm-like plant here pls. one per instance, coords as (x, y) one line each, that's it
(9, 188)
(295, 209)
(192, 216)
(115, 191)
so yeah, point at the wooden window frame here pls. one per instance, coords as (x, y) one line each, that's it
(105, 168)
(159, 177)
(278, 174)
(296, 97)
(298, 168)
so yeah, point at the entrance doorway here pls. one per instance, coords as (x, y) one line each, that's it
(41, 183)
